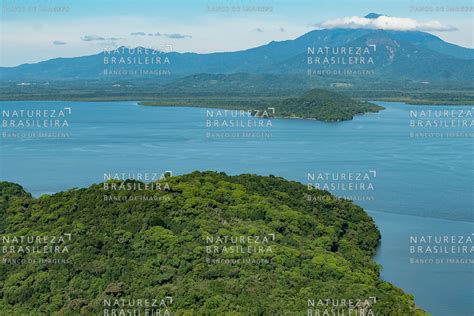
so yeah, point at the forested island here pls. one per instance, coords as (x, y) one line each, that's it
(325, 105)
(318, 104)
(165, 243)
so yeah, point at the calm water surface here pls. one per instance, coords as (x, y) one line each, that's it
(413, 181)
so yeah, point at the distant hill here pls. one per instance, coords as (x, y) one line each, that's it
(397, 56)
(125, 250)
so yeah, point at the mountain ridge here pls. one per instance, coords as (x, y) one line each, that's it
(286, 57)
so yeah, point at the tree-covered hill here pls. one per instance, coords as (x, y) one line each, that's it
(319, 104)
(135, 243)
(325, 105)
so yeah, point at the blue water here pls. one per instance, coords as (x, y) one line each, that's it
(423, 185)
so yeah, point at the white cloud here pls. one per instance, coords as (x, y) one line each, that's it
(91, 38)
(173, 35)
(385, 23)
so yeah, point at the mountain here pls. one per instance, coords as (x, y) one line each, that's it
(396, 56)
(210, 244)
(429, 41)
(373, 15)
(401, 56)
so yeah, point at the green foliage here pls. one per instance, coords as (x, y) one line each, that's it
(319, 104)
(241, 90)
(156, 248)
(325, 105)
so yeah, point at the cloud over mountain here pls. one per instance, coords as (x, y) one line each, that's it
(174, 35)
(91, 38)
(382, 22)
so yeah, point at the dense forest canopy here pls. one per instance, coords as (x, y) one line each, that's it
(325, 105)
(319, 104)
(198, 244)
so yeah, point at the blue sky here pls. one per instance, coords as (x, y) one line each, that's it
(83, 27)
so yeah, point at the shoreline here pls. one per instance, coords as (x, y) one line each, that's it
(422, 102)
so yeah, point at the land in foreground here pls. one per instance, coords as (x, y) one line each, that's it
(135, 243)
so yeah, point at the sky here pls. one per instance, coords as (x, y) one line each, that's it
(37, 30)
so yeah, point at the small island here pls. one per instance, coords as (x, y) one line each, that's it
(317, 104)
(293, 249)
(324, 105)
